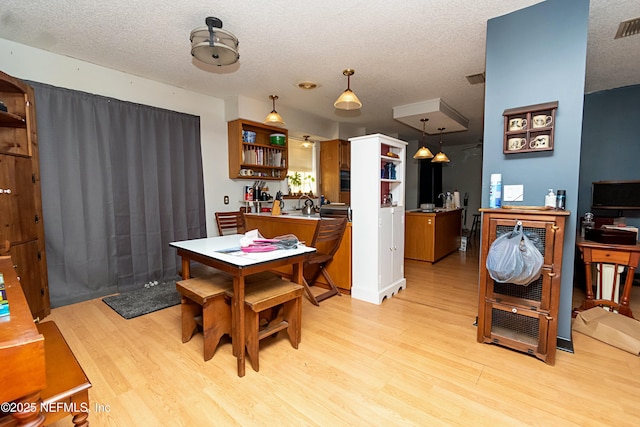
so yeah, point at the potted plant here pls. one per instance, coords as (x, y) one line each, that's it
(308, 179)
(295, 182)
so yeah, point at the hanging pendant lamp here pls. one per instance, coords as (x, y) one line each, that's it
(213, 45)
(273, 118)
(440, 157)
(348, 100)
(423, 152)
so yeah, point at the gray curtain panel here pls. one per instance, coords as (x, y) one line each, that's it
(120, 181)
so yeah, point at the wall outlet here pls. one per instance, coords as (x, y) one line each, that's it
(226, 200)
(513, 193)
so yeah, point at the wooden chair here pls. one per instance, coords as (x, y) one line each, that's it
(326, 240)
(272, 305)
(230, 222)
(204, 303)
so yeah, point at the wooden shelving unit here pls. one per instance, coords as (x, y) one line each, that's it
(535, 132)
(266, 161)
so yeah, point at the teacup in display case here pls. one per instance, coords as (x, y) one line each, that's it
(530, 128)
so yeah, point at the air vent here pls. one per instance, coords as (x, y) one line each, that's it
(628, 28)
(476, 79)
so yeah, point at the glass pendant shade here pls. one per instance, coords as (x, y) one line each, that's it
(423, 153)
(273, 118)
(440, 158)
(348, 100)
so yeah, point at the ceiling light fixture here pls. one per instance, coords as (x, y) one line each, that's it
(213, 45)
(307, 85)
(306, 143)
(273, 118)
(423, 152)
(348, 100)
(440, 157)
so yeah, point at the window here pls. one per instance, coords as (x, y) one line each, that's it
(302, 164)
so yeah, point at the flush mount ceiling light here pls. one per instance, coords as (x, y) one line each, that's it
(348, 100)
(306, 143)
(440, 157)
(423, 152)
(213, 45)
(273, 118)
(307, 85)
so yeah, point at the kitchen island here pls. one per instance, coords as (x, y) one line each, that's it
(431, 236)
(303, 227)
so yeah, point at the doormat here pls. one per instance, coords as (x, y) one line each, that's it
(144, 300)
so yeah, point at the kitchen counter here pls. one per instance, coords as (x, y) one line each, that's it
(303, 227)
(431, 236)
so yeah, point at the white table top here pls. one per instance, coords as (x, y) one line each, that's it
(212, 247)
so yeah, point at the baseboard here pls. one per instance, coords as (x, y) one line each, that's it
(564, 345)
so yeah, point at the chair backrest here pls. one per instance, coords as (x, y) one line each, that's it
(328, 235)
(230, 222)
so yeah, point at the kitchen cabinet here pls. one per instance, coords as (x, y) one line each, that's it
(335, 166)
(378, 227)
(303, 228)
(264, 160)
(21, 224)
(523, 318)
(432, 236)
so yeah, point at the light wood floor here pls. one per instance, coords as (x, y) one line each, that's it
(413, 360)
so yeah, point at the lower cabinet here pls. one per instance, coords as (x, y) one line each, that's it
(523, 318)
(432, 236)
(391, 248)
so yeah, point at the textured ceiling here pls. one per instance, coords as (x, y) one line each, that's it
(403, 52)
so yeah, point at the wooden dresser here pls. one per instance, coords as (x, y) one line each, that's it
(23, 374)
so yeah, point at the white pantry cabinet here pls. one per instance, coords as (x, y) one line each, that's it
(377, 202)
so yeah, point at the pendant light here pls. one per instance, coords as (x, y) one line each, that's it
(213, 45)
(440, 157)
(348, 100)
(423, 152)
(273, 118)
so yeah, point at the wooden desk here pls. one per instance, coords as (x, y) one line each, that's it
(22, 374)
(618, 255)
(207, 252)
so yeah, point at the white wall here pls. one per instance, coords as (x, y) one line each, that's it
(28, 63)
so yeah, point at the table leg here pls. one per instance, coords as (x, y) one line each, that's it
(186, 268)
(297, 272)
(238, 341)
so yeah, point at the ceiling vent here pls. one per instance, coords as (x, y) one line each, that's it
(476, 79)
(628, 28)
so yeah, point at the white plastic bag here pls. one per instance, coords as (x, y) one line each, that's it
(512, 258)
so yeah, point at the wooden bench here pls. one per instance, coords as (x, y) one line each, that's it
(263, 295)
(67, 389)
(204, 303)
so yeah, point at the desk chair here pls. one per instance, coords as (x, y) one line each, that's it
(230, 222)
(326, 240)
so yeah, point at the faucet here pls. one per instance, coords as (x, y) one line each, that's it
(304, 196)
(443, 198)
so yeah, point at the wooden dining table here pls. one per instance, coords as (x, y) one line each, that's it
(224, 253)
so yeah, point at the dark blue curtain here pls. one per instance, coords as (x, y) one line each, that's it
(120, 181)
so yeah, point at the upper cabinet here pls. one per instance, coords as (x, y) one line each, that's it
(15, 123)
(254, 154)
(335, 158)
(528, 129)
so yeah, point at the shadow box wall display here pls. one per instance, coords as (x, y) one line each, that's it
(529, 129)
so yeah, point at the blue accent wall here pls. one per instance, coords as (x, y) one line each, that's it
(537, 55)
(610, 143)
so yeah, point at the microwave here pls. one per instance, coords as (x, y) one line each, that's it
(345, 180)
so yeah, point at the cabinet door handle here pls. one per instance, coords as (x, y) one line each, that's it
(5, 191)
(551, 274)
